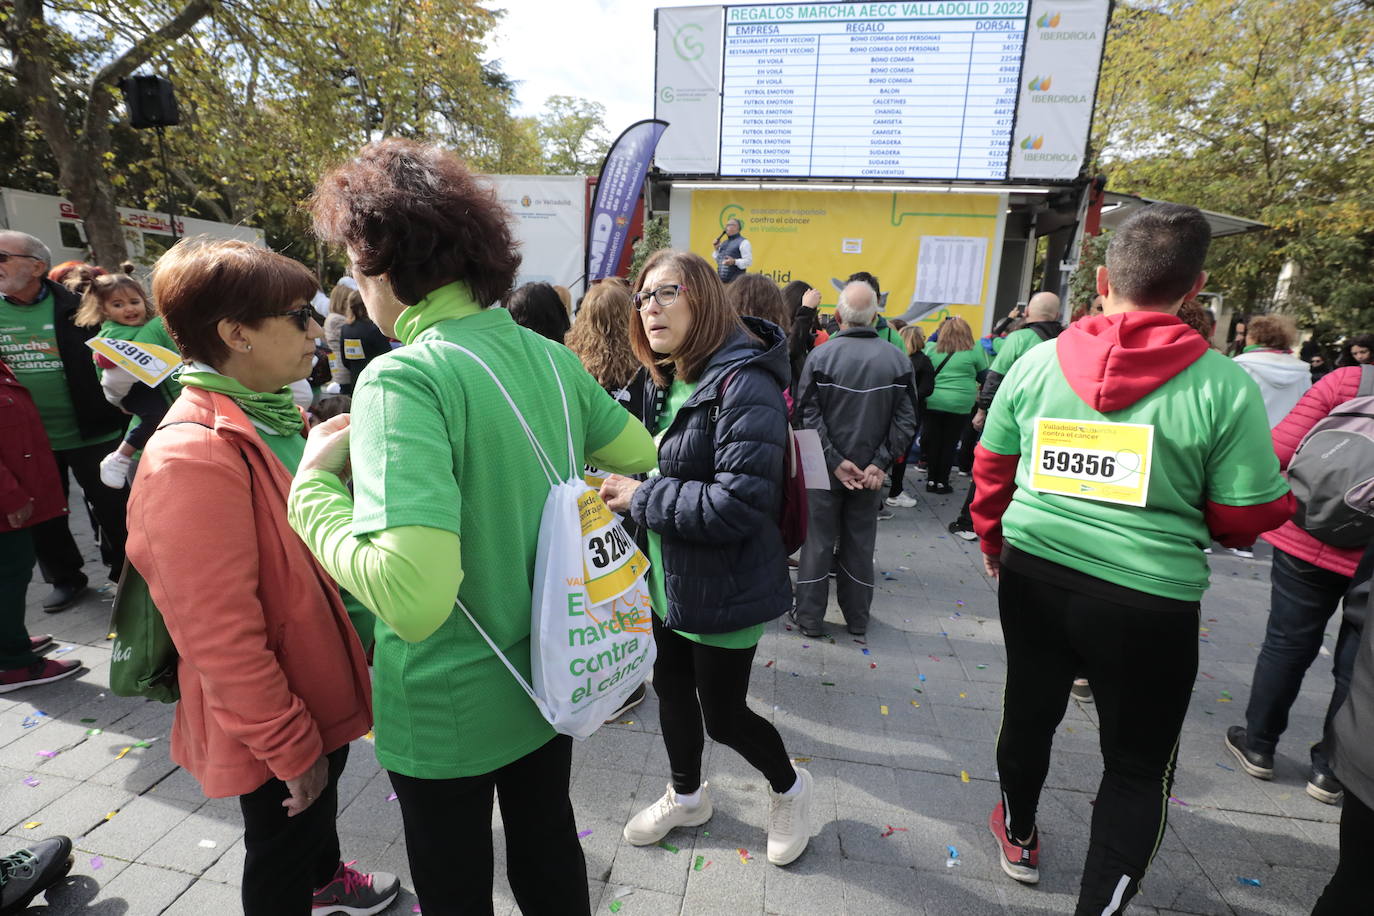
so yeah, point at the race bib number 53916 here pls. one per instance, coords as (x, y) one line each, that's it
(1098, 460)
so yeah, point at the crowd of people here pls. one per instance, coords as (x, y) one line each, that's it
(307, 563)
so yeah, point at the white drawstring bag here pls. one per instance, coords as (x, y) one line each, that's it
(591, 623)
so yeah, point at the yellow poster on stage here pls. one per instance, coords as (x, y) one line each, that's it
(933, 254)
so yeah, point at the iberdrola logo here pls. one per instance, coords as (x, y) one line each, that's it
(1048, 22)
(1040, 83)
(1033, 142)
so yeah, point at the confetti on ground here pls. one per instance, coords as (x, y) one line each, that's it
(934, 658)
(624, 892)
(806, 645)
(92, 732)
(626, 722)
(872, 665)
(891, 830)
(1225, 767)
(963, 696)
(1249, 882)
(415, 908)
(744, 856)
(959, 603)
(963, 775)
(583, 834)
(109, 815)
(1178, 801)
(796, 760)
(87, 721)
(882, 709)
(914, 703)
(615, 906)
(32, 824)
(391, 797)
(64, 650)
(699, 864)
(981, 667)
(371, 737)
(121, 755)
(953, 859)
(111, 635)
(144, 743)
(827, 683)
(866, 652)
(207, 844)
(769, 664)
(48, 754)
(97, 863)
(921, 677)
(31, 782)
(664, 844)
(1206, 675)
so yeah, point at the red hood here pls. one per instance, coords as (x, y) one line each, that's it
(1112, 361)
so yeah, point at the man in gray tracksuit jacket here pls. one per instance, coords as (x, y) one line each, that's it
(856, 392)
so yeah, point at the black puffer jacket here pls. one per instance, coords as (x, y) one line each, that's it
(717, 502)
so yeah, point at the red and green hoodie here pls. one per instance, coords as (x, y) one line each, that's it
(1212, 475)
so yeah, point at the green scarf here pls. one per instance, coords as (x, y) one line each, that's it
(274, 409)
(449, 301)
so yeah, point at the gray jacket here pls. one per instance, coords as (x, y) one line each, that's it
(856, 391)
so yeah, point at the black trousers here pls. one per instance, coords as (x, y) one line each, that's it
(150, 406)
(696, 682)
(1142, 664)
(1348, 891)
(59, 558)
(286, 859)
(448, 836)
(940, 433)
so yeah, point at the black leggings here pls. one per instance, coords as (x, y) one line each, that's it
(1348, 891)
(287, 859)
(150, 407)
(1053, 635)
(695, 682)
(448, 836)
(940, 432)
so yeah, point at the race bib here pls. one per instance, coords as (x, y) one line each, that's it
(1098, 460)
(147, 362)
(334, 364)
(611, 563)
(353, 348)
(594, 477)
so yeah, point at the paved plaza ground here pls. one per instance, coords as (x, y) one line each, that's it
(899, 733)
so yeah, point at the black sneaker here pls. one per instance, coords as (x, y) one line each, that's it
(813, 632)
(1325, 787)
(29, 872)
(63, 596)
(1260, 766)
(634, 699)
(1081, 690)
(962, 529)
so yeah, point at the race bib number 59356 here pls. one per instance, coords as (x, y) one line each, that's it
(1098, 460)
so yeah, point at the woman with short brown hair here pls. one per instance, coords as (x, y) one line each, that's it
(447, 500)
(272, 676)
(713, 390)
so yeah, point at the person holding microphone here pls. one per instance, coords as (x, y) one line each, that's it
(733, 253)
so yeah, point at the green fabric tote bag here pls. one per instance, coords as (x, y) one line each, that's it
(144, 662)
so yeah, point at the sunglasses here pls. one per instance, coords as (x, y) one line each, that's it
(301, 317)
(666, 296)
(6, 255)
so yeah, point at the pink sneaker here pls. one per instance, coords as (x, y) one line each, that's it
(39, 673)
(1020, 862)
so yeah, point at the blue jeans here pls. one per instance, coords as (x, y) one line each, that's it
(1302, 599)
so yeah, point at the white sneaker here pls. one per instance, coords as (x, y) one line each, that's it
(901, 501)
(1245, 553)
(789, 821)
(654, 822)
(114, 470)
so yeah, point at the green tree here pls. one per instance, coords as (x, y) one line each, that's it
(1259, 108)
(573, 135)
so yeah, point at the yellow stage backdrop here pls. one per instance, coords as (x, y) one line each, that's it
(824, 236)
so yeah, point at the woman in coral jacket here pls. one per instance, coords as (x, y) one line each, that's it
(1308, 582)
(273, 680)
(30, 492)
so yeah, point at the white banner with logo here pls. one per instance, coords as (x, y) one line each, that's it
(1058, 82)
(550, 219)
(687, 88)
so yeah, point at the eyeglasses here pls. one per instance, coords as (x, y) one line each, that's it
(6, 255)
(666, 296)
(300, 316)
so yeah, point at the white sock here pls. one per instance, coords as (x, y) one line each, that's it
(795, 790)
(691, 801)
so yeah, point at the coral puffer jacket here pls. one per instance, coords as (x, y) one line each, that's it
(1333, 390)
